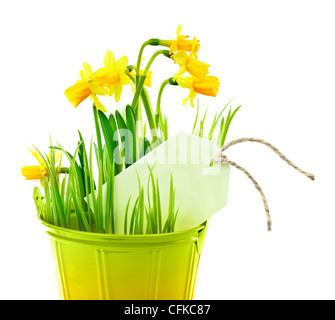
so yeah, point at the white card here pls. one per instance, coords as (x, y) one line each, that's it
(201, 190)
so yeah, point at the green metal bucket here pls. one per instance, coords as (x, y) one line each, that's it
(95, 266)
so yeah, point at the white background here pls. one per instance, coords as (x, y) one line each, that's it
(275, 57)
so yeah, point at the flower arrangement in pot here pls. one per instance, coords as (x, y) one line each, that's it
(123, 220)
(112, 218)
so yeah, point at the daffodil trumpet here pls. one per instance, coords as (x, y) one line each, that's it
(85, 88)
(38, 172)
(190, 64)
(181, 43)
(208, 86)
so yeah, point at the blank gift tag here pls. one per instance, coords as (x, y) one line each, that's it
(201, 189)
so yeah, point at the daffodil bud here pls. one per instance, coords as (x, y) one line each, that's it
(130, 68)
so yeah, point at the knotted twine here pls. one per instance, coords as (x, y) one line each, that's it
(223, 159)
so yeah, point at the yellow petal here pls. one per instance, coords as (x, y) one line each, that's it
(57, 154)
(147, 81)
(180, 57)
(99, 72)
(86, 73)
(96, 89)
(191, 96)
(111, 90)
(124, 79)
(97, 103)
(118, 90)
(38, 157)
(121, 64)
(186, 82)
(109, 60)
(195, 48)
(179, 30)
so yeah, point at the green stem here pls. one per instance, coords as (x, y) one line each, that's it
(153, 57)
(139, 91)
(139, 58)
(158, 105)
(147, 107)
(158, 116)
(149, 113)
(140, 84)
(98, 133)
(151, 42)
(135, 103)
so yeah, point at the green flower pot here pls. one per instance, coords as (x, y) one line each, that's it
(94, 266)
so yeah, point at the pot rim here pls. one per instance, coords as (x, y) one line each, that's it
(96, 236)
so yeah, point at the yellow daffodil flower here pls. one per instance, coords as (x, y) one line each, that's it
(85, 88)
(208, 86)
(39, 171)
(113, 76)
(189, 63)
(147, 81)
(180, 44)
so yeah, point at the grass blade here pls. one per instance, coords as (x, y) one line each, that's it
(196, 117)
(125, 225)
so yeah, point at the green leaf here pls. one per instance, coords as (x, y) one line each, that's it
(108, 133)
(125, 225)
(227, 124)
(93, 198)
(211, 131)
(131, 125)
(196, 117)
(141, 212)
(99, 213)
(82, 221)
(109, 203)
(126, 140)
(159, 208)
(221, 132)
(133, 217)
(117, 155)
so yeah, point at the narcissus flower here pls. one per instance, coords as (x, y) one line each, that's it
(208, 86)
(39, 171)
(113, 76)
(147, 81)
(189, 63)
(85, 88)
(181, 43)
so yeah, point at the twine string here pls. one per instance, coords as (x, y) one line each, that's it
(223, 159)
